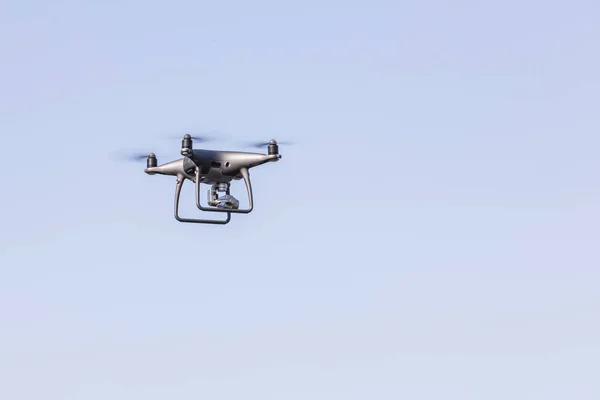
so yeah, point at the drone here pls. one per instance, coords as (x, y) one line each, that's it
(216, 168)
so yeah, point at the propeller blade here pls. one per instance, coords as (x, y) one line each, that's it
(135, 156)
(265, 144)
(140, 156)
(202, 137)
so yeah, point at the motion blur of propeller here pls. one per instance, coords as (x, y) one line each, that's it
(264, 144)
(202, 137)
(136, 156)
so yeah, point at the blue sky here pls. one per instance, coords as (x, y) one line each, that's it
(432, 236)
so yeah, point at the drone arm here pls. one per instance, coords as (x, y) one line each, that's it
(246, 176)
(179, 186)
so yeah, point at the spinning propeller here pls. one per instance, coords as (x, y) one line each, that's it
(272, 145)
(259, 145)
(199, 138)
(138, 156)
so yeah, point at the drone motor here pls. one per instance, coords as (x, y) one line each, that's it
(151, 162)
(186, 145)
(273, 148)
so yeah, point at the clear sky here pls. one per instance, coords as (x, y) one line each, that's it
(433, 234)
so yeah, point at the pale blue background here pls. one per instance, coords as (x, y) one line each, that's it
(434, 235)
